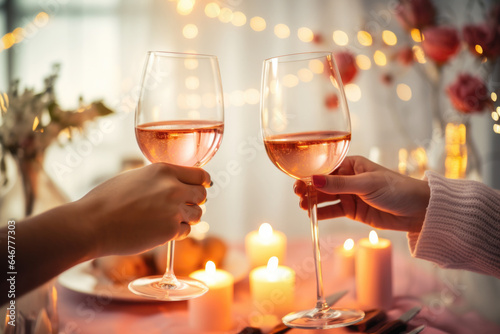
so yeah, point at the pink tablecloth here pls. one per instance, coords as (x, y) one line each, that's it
(79, 313)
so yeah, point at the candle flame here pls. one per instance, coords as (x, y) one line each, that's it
(272, 264)
(348, 244)
(265, 231)
(54, 299)
(210, 268)
(35, 123)
(373, 237)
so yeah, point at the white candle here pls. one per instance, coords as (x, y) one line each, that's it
(264, 244)
(273, 288)
(344, 259)
(374, 272)
(212, 311)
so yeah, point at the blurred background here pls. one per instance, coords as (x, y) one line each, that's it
(394, 95)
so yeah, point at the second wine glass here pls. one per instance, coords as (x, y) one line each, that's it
(306, 131)
(179, 120)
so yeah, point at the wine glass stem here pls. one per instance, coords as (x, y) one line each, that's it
(313, 214)
(169, 278)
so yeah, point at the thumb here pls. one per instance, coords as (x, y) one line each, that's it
(342, 184)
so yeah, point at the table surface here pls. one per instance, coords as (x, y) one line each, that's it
(81, 313)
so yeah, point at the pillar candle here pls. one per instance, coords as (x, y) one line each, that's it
(212, 311)
(344, 260)
(272, 288)
(374, 272)
(263, 244)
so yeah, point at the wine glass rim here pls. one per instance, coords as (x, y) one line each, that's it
(300, 56)
(181, 54)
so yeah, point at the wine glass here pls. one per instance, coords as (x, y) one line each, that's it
(306, 131)
(179, 120)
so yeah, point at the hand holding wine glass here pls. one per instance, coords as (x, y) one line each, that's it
(303, 137)
(179, 120)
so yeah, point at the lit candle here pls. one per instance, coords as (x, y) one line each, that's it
(344, 259)
(262, 245)
(273, 288)
(374, 272)
(212, 311)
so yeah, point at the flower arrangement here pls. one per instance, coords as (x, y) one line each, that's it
(30, 122)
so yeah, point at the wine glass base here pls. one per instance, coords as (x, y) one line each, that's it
(150, 287)
(323, 319)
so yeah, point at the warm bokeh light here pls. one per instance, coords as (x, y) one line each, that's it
(478, 49)
(352, 92)
(363, 62)
(416, 35)
(373, 237)
(239, 19)
(281, 30)
(185, 7)
(389, 37)
(35, 123)
(252, 96)
(493, 96)
(403, 160)
(238, 98)
(41, 19)
(496, 128)
(340, 38)
(316, 66)
(364, 38)
(305, 75)
(190, 31)
(404, 92)
(18, 34)
(8, 40)
(419, 54)
(225, 15)
(494, 115)
(349, 244)
(379, 58)
(257, 23)
(305, 34)
(212, 10)
(192, 82)
(191, 64)
(290, 80)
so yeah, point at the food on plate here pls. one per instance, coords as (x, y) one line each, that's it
(121, 269)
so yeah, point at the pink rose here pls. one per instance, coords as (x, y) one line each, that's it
(468, 94)
(415, 14)
(440, 43)
(347, 66)
(486, 35)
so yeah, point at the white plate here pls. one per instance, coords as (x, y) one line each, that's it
(84, 279)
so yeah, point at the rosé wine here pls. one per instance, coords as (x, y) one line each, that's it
(185, 143)
(302, 155)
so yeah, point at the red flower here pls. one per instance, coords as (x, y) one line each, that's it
(332, 101)
(486, 35)
(415, 13)
(468, 94)
(405, 56)
(347, 66)
(440, 43)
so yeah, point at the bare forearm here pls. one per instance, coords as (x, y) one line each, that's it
(45, 246)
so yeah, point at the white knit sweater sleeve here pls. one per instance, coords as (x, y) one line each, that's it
(462, 226)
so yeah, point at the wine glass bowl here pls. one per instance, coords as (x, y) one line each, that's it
(179, 120)
(305, 134)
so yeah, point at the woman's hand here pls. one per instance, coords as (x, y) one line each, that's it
(371, 194)
(143, 208)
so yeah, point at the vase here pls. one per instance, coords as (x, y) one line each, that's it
(28, 189)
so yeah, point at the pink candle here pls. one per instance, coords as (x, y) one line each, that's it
(344, 260)
(374, 272)
(212, 311)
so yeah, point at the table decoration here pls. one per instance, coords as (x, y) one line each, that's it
(212, 311)
(344, 257)
(374, 272)
(273, 288)
(263, 244)
(29, 123)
